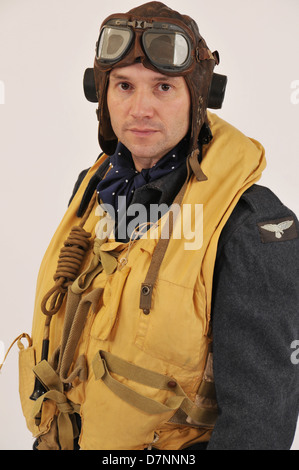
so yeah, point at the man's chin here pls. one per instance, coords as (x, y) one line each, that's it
(146, 151)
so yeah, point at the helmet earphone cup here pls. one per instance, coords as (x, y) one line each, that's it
(89, 86)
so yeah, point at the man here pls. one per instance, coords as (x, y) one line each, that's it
(144, 310)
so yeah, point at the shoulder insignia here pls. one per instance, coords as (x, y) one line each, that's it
(278, 230)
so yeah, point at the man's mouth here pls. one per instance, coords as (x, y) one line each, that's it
(142, 132)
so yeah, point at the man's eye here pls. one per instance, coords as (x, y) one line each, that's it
(165, 87)
(124, 86)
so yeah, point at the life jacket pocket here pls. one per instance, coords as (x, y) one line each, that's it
(173, 330)
(127, 412)
(107, 315)
(27, 361)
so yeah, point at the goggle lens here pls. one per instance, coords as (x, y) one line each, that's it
(113, 44)
(166, 49)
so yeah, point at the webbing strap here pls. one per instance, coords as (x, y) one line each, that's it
(77, 313)
(104, 363)
(147, 286)
(77, 310)
(157, 258)
(207, 389)
(196, 168)
(102, 260)
(67, 429)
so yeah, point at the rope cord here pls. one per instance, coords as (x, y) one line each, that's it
(69, 262)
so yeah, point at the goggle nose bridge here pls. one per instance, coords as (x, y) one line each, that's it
(140, 24)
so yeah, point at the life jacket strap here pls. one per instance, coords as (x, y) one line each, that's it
(66, 423)
(193, 167)
(106, 363)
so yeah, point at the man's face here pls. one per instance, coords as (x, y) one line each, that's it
(149, 112)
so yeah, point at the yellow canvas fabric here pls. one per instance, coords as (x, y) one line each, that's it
(173, 338)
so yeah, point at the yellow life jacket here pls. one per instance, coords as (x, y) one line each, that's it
(145, 343)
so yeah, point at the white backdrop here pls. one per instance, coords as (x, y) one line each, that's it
(48, 131)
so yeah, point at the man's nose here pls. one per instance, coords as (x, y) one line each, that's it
(141, 104)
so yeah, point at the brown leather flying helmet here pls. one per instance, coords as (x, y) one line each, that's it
(162, 40)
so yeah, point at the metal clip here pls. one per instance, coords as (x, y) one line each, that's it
(156, 438)
(122, 263)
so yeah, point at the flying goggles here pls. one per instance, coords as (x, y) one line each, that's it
(167, 46)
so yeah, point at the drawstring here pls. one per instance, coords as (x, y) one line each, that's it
(20, 345)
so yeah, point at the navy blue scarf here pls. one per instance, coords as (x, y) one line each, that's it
(123, 178)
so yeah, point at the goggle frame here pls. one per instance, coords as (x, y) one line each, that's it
(148, 28)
